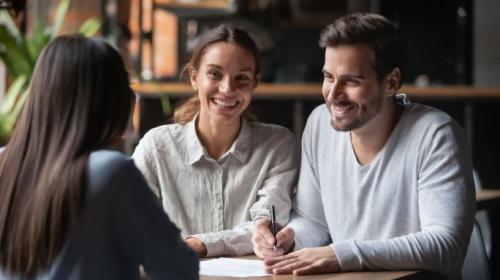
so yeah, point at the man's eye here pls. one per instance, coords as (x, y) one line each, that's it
(242, 78)
(352, 82)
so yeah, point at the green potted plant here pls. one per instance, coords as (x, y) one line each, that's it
(19, 53)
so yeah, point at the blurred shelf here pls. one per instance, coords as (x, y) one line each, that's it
(488, 198)
(313, 91)
(197, 8)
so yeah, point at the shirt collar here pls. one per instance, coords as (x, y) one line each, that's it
(241, 146)
(195, 149)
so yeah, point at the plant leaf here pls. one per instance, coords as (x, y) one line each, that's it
(61, 10)
(16, 89)
(8, 22)
(14, 53)
(89, 27)
(37, 42)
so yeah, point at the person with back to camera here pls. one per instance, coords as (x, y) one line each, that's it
(69, 207)
(216, 170)
(384, 183)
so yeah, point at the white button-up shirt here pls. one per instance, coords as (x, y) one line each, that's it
(218, 200)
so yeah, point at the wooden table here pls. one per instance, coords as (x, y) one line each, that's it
(379, 275)
(368, 275)
(487, 198)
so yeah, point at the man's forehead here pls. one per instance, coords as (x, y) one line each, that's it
(358, 58)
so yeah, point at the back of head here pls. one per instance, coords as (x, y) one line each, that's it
(221, 33)
(79, 101)
(384, 37)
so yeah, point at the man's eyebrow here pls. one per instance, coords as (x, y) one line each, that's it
(345, 76)
(352, 76)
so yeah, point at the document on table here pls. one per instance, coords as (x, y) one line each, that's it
(233, 268)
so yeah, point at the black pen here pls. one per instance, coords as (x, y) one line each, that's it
(273, 225)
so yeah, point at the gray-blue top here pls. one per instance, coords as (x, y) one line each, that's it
(124, 226)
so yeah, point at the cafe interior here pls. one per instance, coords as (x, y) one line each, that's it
(453, 65)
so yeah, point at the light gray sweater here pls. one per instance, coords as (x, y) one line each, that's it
(412, 207)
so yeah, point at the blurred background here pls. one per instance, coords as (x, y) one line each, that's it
(453, 48)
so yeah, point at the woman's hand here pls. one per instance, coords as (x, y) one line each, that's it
(197, 245)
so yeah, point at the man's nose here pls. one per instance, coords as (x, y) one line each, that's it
(335, 91)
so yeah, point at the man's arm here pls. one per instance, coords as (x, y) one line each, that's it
(308, 218)
(446, 200)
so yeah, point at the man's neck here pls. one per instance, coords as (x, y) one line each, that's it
(368, 140)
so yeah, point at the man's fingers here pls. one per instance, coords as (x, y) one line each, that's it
(289, 268)
(272, 261)
(309, 269)
(283, 263)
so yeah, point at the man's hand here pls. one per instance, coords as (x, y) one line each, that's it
(305, 261)
(263, 240)
(197, 245)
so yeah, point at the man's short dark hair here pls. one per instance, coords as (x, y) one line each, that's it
(381, 35)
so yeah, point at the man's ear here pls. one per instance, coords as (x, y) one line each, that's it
(193, 74)
(393, 81)
(256, 82)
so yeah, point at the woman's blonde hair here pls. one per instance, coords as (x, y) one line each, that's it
(222, 33)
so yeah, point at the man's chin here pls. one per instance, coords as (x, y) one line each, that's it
(344, 127)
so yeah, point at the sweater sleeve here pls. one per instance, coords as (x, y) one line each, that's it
(145, 231)
(446, 200)
(308, 219)
(275, 190)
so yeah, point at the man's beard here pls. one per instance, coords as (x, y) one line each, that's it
(368, 112)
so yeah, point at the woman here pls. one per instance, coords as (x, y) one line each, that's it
(69, 209)
(216, 170)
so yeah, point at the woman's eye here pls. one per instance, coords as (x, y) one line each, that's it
(213, 74)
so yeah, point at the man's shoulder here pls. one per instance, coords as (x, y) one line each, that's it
(318, 118)
(422, 115)
(320, 112)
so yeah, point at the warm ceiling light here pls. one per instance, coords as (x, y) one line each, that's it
(5, 4)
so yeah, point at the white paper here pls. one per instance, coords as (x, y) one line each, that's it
(233, 268)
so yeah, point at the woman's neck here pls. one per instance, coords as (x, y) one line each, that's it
(217, 137)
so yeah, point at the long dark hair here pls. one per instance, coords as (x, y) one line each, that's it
(79, 101)
(221, 33)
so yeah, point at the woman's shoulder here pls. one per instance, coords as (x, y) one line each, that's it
(166, 130)
(164, 137)
(109, 168)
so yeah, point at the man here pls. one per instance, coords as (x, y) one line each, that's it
(384, 183)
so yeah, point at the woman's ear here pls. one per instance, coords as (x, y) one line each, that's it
(193, 74)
